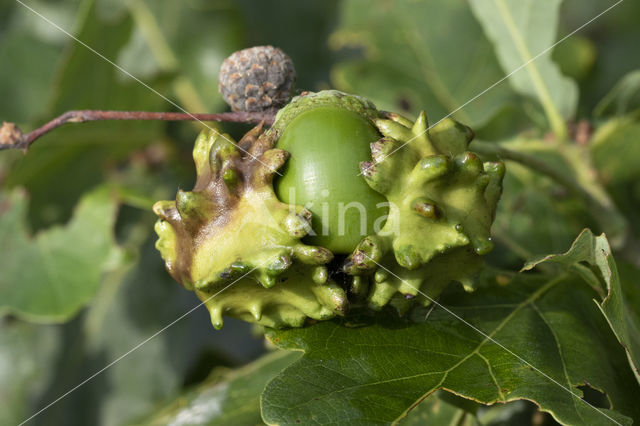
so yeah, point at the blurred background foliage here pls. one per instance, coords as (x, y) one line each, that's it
(405, 55)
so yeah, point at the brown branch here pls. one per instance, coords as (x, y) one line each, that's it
(12, 137)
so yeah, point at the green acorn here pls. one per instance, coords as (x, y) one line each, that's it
(404, 209)
(328, 136)
(433, 201)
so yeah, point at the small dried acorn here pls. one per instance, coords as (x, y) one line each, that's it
(256, 79)
(405, 210)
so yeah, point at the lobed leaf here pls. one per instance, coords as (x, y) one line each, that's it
(49, 277)
(374, 369)
(429, 54)
(232, 399)
(439, 409)
(146, 321)
(603, 275)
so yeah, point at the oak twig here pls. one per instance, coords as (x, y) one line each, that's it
(612, 222)
(12, 137)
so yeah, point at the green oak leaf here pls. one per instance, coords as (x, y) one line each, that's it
(576, 57)
(442, 408)
(27, 359)
(312, 65)
(416, 55)
(629, 278)
(232, 398)
(50, 276)
(66, 163)
(370, 369)
(187, 41)
(614, 34)
(142, 312)
(27, 50)
(602, 275)
(615, 148)
(534, 216)
(521, 30)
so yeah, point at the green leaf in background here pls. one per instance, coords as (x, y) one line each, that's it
(521, 30)
(187, 41)
(231, 398)
(410, 62)
(603, 277)
(29, 48)
(66, 163)
(615, 148)
(535, 215)
(49, 277)
(171, 47)
(136, 301)
(312, 64)
(614, 35)
(575, 56)
(24, 371)
(444, 408)
(623, 98)
(111, 328)
(629, 279)
(372, 369)
(436, 409)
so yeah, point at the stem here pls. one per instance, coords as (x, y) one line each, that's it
(519, 250)
(611, 221)
(533, 163)
(146, 22)
(164, 55)
(12, 137)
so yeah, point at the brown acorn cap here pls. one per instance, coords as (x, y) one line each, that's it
(256, 79)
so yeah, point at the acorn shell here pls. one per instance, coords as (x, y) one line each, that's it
(327, 145)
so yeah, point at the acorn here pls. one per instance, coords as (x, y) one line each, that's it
(419, 199)
(257, 79)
